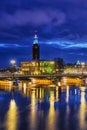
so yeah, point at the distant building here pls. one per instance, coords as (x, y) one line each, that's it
(38, 67)
(35, 49)
(80, 68)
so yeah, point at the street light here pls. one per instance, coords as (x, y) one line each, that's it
(13, 62)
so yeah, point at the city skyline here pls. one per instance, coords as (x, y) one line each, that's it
(61, 27)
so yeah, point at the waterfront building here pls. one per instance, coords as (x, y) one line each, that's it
(38, 67)
(76, 68)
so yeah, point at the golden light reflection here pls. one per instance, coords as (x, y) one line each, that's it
(67, 93)
(41, 81)
(57, 95)
(83, 109)
(12, 116)
(33, 110)
(51, 115)
(40, 93)
(71, 81)
(59, 84)
(6, 85)
(33, 100)
(24, 88)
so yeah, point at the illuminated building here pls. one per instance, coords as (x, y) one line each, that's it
(35, 49)
(79, 68)
(37, 67)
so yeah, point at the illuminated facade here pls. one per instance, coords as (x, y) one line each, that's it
(76, 69)
(38, 67)
(35, 49)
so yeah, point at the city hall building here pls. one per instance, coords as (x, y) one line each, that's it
(37, 66)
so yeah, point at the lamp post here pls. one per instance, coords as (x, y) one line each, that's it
(13, 62)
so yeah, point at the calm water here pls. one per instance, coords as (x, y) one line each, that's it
(44, 108)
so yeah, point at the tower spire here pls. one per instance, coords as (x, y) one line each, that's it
(35, 48)
(35, 38)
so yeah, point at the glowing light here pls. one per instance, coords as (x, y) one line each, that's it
(67, 93)
(35, 39)
(71, 81)
(83, 64)
(59, 84)
(35, 36)
(78, 62)
(5, 84)
(24, 88)
(51, 98)
(41, 81)
(12, 104)
(33, 80)
(13, 62)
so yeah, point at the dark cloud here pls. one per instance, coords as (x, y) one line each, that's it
(61, 25)
(34, 17)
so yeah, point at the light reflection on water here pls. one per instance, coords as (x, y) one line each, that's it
(44, 108)
(51, 114)
(83, 110)
(12, 116)
(33, 107)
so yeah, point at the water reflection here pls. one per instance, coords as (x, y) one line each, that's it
(82, 111)
(61, 104)
(12, 116)
(44, 107)
(51, 115)
(32, 116)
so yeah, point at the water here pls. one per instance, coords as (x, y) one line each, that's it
(44, 108)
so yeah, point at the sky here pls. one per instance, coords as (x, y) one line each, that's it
(61, 26)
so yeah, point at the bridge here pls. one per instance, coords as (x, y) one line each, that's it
(53, 76)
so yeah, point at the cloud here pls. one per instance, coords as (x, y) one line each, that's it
(35, 17)
(61, 25)
(7, 45)
(66, 44)
(50, 17)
